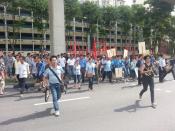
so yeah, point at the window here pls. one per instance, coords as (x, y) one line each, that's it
(27, 47)
(2, 46)
(26, 36)
(2, 35)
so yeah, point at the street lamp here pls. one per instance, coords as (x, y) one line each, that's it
(44, 32)
(83, 25)
(19, 13)
(33, 42)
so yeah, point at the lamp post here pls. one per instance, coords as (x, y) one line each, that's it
(44, 33)
(74, 36)
(19, 13)
(33, 43)
(83, 25)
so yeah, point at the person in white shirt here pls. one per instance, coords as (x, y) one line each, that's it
(23, 74)
(162, 71)
(77, 74)
(17, 63)
(62, 61)
(71, 62)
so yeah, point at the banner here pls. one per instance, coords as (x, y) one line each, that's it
(125, 54)
(142, 48)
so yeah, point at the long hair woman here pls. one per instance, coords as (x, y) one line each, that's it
(148, 79)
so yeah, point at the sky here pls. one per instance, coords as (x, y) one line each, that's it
(129, 2)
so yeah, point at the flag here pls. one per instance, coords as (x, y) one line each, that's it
(87, 50)
(75, 48)
(67, 47)
(94, 49)
(104, 47)
(70, 51)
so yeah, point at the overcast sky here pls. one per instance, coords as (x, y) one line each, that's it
(129, 2)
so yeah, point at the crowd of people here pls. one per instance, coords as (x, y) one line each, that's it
(80, 68)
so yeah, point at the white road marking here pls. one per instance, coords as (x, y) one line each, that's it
(168, 91)
(66, 100)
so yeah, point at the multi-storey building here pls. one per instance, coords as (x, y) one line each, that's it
(24, 36)
(28, 38)
(106, 2)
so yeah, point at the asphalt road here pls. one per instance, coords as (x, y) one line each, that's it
(110, 107)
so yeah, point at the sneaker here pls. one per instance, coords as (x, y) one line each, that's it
(154, 105)
(21, 95)
(57, 113)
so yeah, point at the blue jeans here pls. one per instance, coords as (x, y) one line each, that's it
(56, 93)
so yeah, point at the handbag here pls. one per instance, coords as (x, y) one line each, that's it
(60, 81)
(89, 75)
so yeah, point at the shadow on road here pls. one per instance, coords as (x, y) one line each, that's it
(37, 115)
(30, 97)
(131, 108)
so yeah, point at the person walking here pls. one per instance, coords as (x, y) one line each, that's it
(17, 63)
(147, 79)
(77, 74)
(90, 72)
(162, 65)
(24, 71)
(54, 75)
(83, 67)
(2, 77)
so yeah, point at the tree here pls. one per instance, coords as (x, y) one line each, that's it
(156, 21)
(72, 10)
(124, 20)
(92, 12)
(109, 18)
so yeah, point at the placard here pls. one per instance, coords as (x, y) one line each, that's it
(142, 49)
(113, 52)
(125, 54)
(118, 72)
(109, 53)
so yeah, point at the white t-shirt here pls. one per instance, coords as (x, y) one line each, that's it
(71, 62)
(23, 70)
(17, 63)
(77, 70)
(62, 61)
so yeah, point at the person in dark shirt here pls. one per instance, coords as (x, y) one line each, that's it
(147, 73)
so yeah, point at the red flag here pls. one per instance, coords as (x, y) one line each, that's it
(94, 49)
(104, 47)
(75, 48)
(87, 49)
(70, 51)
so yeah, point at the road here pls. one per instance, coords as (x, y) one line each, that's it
(110, 107)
